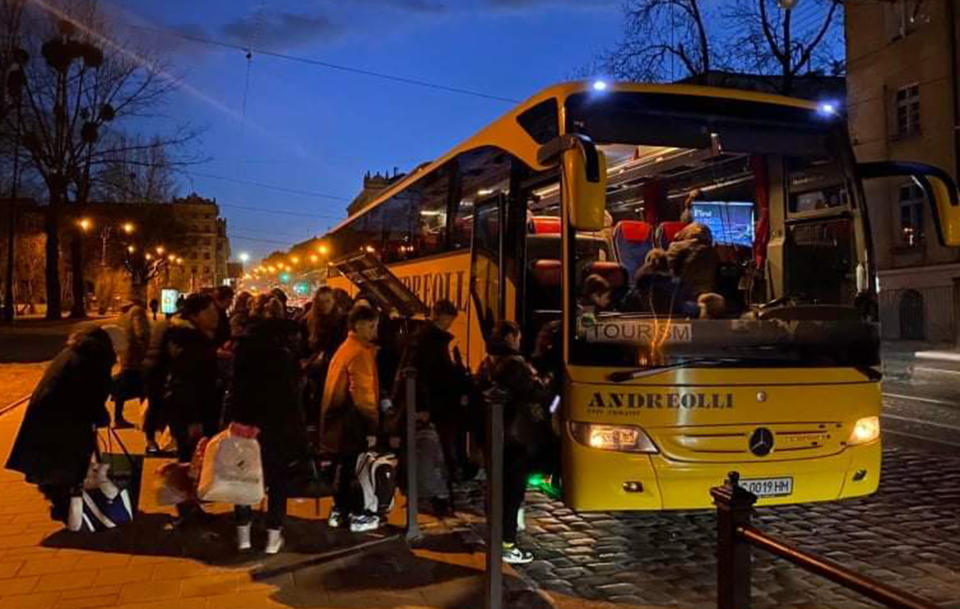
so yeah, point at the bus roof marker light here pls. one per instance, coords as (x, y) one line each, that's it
(600, 85)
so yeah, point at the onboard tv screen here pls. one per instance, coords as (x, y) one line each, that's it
(731, 222)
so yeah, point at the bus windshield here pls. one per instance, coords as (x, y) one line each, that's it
(736, 237)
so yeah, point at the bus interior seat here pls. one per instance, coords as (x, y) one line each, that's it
(544, 286)
(544, 225)
(613, 272)
(632, 239)
(667, 232)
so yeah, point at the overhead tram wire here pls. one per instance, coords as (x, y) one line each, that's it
(282, 212)
(295, 191)
(329, 65)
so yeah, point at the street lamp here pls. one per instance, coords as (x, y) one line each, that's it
(160, 250)
(324, 250)
(131, 249)
(244, 257)
(128, 227)
(85, 224)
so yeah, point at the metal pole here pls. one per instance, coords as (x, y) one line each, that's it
(8, 308)
(734, 507)
(494, 579)
(413, 527)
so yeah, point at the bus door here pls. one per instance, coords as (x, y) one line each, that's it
(487, 271)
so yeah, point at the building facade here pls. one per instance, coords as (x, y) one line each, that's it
(206, 248)
(902, 103)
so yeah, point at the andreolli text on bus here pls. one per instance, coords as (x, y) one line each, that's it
(687, 400)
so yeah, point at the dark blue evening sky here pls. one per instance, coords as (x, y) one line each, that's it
(316, 129)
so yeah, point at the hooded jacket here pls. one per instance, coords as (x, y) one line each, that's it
(349, 412)
(693, 260)
(58, 433)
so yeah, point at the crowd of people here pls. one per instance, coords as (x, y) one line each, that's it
(324, 380)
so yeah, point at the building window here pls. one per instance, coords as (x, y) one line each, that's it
(206, 255)
(911, 202)
(908, 110)
(206, 270)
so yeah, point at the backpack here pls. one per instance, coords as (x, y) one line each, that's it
(377, 475)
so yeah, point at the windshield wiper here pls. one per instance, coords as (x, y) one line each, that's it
(622, 376)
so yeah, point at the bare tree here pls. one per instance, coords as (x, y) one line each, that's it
(662, 39)
(768, 41)
(136, 171)
(80, 82)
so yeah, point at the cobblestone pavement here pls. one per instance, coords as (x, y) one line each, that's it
(907, 535)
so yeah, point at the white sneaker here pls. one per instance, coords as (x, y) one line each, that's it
(335, 519)
(521, 520)
(243, 537)
(75, 515)
(274, 541)
(360, 523)
(512, 555)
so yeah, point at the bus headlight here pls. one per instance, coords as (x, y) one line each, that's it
(621, 438)
(865, 430)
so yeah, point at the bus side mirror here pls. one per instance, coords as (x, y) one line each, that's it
(584, 179)
(938, 187)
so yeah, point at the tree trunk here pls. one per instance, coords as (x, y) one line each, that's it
(79, 310)
(52, 271)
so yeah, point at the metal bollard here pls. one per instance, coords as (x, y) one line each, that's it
(734, 507)
(494, 571)
(413, 527)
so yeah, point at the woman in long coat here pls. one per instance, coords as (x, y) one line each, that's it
(266, 394)
(59, 430)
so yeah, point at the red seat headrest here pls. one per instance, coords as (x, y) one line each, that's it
(615, 274)
(669, 230)
(545, 225)
(547, 272)
(635, 231)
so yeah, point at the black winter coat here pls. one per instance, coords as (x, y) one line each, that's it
(58, 434)
(190, 389)
(526, 416)
(266, 387)
(439, 381)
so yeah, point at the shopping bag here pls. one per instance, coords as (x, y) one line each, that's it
(101, 513)
(377, 474)
(116, 471)
(232, 472)
(175, 485)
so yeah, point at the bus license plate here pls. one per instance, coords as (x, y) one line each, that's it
(769, 487)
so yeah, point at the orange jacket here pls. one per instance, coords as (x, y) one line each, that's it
(351, 395)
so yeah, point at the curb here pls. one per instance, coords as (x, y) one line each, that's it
(5, 409)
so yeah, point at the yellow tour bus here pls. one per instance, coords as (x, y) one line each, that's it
(736, 321)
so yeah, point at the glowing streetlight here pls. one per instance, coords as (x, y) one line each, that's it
(148, 256)
(85, 224)
(314, 258)
(172, 258)
(179, 260)
(244, 257)
(295, 260)
(160, 250)
(131, 249)
(324, 250)
(128, 227)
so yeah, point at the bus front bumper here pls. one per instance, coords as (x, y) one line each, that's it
(596, 480)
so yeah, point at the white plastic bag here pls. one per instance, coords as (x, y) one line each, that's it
(231, 471)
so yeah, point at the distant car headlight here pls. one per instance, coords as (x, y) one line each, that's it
(620, 438)
(865, 430)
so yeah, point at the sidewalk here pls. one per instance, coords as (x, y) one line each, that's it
(146, 565)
